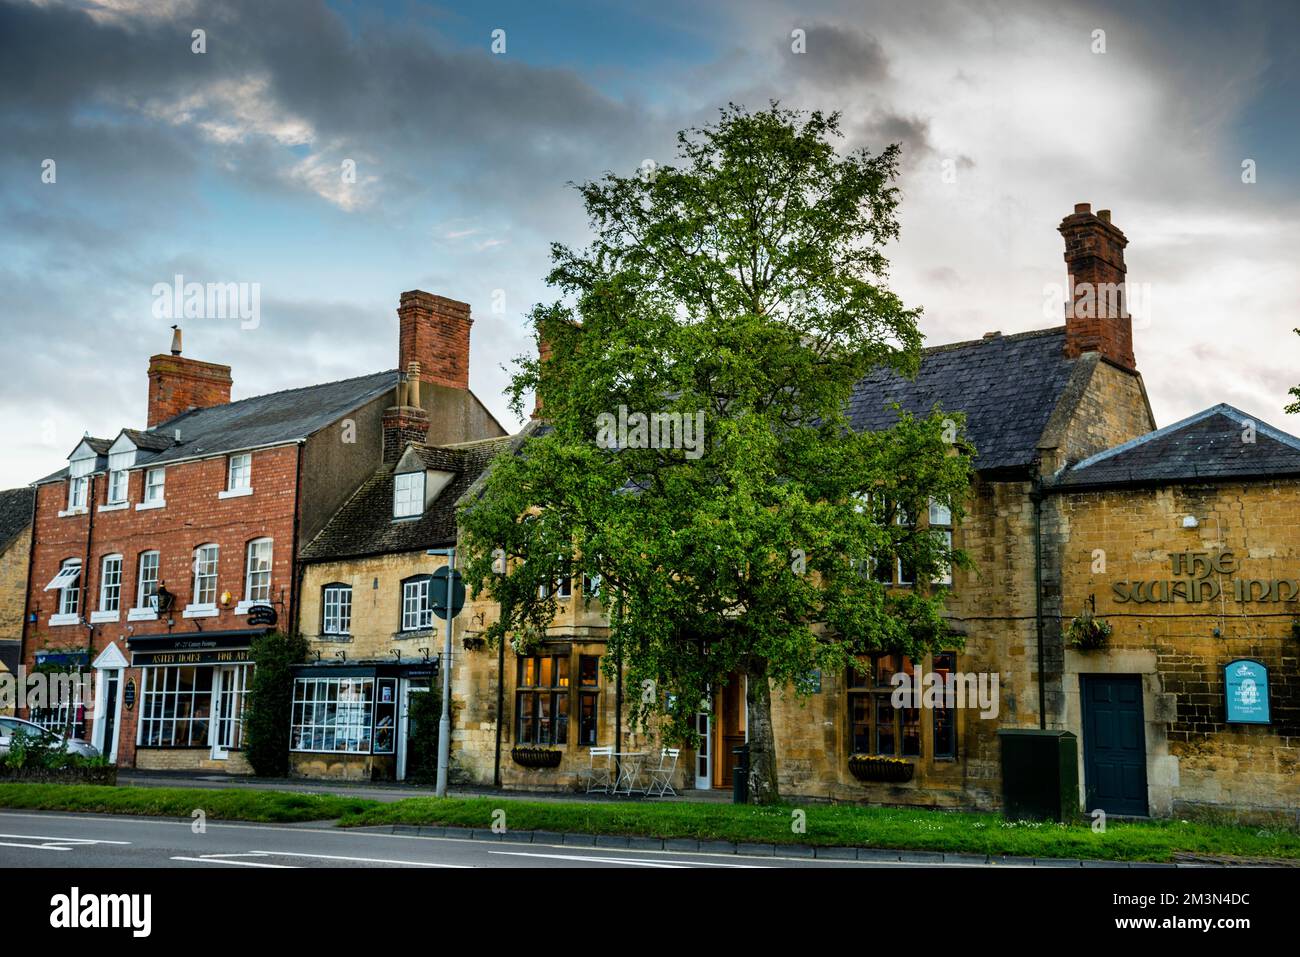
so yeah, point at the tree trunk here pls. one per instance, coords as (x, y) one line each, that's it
(762, 742)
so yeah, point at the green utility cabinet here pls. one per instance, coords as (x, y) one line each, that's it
(1040, 774)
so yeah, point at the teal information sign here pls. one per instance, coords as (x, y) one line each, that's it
(1246, 691)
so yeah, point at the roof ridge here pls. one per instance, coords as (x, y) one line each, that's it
(267, 395)
(1029, 334)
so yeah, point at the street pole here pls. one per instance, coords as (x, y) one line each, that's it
(444, 723)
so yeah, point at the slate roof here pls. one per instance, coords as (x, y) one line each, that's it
(15, 514)
(272, 419)
(1008, 387)
(1207, 446)
(365, 525)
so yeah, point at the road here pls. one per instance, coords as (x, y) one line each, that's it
(99, 840)
(30, 839)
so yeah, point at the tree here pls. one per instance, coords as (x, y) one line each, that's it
(269, 705)
(740, 293)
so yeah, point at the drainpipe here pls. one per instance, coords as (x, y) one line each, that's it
(1036, 495)
(501, 700)
(85, 594)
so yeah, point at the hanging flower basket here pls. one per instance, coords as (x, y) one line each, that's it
(536, 757)
(1087, 633)
(870, 767)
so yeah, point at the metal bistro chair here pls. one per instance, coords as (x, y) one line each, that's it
(600, 776)
(661, 778)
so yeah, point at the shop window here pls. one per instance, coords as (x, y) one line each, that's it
(344, 715)
(336, 609)
(945, 717)
(542, 700)
(588, 700)
(417, 603)
(176, 707)
(876, 726)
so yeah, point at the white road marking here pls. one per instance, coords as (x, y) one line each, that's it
(62, 840)
(638, 862)
(218, 859)
(35, 847)
(362, 860)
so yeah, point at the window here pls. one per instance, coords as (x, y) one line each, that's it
(176, 708)
(941, 526)
(904, 567)
(77, 488)
(542, 700)
(146, 586)
(563, 588)
(68, 583)
(417, 605)
(205, 575)
(110, 583)
(590, 585)
(408, 494)
(118, 476)
(876, 726)
(257, 575)
(239, 469)
(588, 699)
(228, 721)
(342, 715)
(336, 610)
(155, 485)
(945, 717)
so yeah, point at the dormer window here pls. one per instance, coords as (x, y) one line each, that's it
(79, 471)
(408, 495)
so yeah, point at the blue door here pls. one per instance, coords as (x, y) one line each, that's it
(1114, 744)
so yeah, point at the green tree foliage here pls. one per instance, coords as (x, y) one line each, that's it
(746, 284)
(269, 705)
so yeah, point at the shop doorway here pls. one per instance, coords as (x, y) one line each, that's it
(227, 702)
(408, 762)
(732, 728)
(704, 753)
(1114, 744)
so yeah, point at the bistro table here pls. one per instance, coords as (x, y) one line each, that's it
(629, 771)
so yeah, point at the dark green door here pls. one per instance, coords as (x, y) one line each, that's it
(1114, 744)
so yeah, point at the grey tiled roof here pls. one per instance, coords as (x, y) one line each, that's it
(1208, 446)
(365, 524)
(262, 420)
(1007, 386)
(15, 513)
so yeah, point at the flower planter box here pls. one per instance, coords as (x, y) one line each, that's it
(536, 757)
(868, 768)
(106, 775)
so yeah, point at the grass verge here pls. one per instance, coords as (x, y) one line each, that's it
(825, 825)
(279, 807)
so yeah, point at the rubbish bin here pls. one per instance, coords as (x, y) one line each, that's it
(1040, 774)
(740, 776)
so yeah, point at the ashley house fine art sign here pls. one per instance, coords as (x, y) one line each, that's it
(1205, 576)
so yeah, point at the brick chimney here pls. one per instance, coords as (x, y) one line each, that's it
(1096, 308)
(434, 331)
(405, 421)
(178, 384)
(543, 353)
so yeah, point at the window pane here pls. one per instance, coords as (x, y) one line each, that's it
(885, 738)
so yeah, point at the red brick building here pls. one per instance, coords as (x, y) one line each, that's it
(159, 554)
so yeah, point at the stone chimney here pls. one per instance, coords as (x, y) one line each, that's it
(1096, 307)
(543, 353)
(178, 384)
(434, 331)
(405, 421)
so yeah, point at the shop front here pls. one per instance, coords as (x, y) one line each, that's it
(359, 721)
(183, 701)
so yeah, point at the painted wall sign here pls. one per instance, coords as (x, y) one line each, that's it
(1246, 692)
(128, 694)
(226, 657)
(1204, 579)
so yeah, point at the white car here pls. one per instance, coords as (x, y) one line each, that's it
(11, 726)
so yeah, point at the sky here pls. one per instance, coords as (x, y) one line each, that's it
(128, 158)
